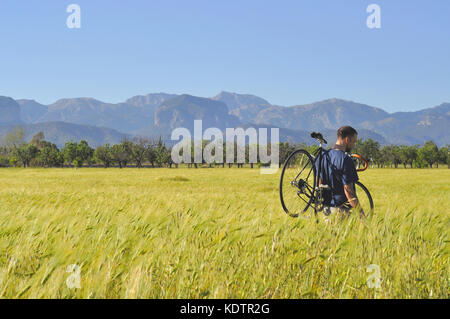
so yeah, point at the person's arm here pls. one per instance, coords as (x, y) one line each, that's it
(350, 193)
(350, 176)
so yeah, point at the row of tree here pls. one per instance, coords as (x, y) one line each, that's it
(137, 152)
(41, 153)
(414, 156)
(394, 155)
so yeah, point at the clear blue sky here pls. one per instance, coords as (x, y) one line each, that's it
(288, 52)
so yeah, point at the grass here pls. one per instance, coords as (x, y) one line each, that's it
(215, 233)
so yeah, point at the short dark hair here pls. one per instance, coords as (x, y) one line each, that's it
(346, 131)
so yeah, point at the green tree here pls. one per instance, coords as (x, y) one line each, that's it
(285, 149)
(358, 146)
(77, 153)
(49, 155)
(25, 154)
(102, 154)
(396, 156)
(4, 156)
(120, 155)
(69, 152)
(390, 154)
(4, 161)
(84, 153)
(448, 156)
(430, 153)
(444, 154)
(139, 150)
(128, 149)
(420, 162)
(162, 154)
(408, 154)
(151, 154)
(370, 150)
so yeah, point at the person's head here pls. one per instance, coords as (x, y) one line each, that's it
(347, 137)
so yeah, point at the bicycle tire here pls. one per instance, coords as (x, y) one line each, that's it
(304, 186)
(365, 200)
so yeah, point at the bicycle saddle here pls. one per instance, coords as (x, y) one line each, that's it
(319, 137)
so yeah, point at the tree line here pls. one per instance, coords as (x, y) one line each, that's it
(41, 153)
(14, 151)
(412, 156)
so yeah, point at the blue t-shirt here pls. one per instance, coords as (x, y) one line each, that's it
(337, 170)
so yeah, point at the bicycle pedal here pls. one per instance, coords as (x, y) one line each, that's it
(324, 186)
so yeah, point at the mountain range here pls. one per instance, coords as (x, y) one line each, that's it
(157, 114)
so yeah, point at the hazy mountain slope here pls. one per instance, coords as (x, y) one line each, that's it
(149, 104)
(244, 106)
(31, 111)
(87, 111)
(9, 111)
(184, 109)
(330, 113)
(234, 100)
(415, 127)
(150, 100)
(285, 135)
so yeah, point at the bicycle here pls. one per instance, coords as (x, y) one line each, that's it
(300, 191)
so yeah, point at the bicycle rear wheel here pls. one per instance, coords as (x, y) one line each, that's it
(297, 183)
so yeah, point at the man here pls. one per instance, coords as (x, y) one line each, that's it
(339, 173)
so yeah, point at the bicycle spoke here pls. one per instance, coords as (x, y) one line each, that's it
(303, 169)
(311, 191)
(306, 201)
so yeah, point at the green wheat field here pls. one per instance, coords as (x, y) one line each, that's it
(215, 233)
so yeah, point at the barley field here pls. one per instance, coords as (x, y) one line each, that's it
(215, 233)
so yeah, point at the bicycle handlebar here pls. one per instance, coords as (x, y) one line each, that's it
(366, 164)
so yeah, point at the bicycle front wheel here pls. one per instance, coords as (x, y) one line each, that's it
(364, 198)
(297, 183)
